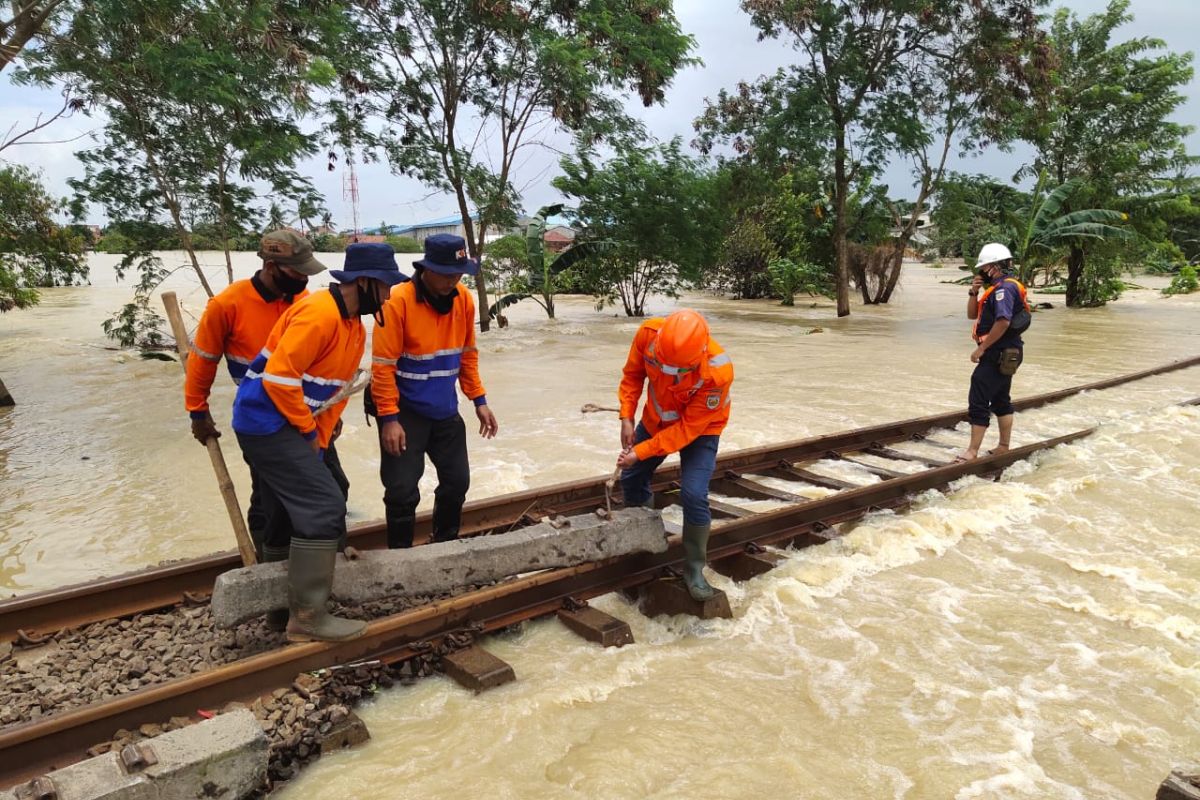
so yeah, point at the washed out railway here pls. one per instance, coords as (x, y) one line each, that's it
(768, 497)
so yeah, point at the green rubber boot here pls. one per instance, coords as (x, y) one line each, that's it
(310, 581)
(695, 549)
(277, 619)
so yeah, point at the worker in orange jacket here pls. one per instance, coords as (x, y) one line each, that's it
(422, 355)
(236, 324)
(687, 407)
(312, 352)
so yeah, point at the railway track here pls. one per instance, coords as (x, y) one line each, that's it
(33, 748)
(36, 614)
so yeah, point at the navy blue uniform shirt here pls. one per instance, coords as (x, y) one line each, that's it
(1001, 304)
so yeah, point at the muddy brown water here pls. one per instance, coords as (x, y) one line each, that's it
(1038, 637)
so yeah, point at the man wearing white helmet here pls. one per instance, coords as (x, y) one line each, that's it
(997, 302)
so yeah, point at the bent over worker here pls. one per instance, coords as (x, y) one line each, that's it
(422, 353)
(1001, 313)
(687, 407)
(236, 324)
(312, 352)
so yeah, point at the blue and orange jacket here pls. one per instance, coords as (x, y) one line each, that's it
(680, 406)
(235, 324)
(312, 352)
(419, 355)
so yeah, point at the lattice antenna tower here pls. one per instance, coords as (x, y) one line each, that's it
(350, 192)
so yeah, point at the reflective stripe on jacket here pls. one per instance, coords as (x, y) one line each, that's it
(311, 353)
(235, 324)
(679, 406)
(419, 356)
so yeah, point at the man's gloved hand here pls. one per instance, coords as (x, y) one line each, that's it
(204, 429)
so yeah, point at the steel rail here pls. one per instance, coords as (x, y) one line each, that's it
(33, 748)
(160, 587)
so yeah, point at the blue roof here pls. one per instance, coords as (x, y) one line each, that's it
(440, 222)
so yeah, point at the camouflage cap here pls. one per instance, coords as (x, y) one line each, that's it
(291, 250)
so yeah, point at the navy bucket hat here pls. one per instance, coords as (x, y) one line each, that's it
(370, 260)
(446, 254)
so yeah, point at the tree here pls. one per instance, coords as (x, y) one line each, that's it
(194, 93)
(539, 278)
(1045, 228)
(1109, 119)
(35, 251)
(27, 19)
(659, 206)
(971, 210)
(906, 77)
(466, 86)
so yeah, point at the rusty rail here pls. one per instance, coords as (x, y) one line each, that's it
(161, 587)
(34, 747)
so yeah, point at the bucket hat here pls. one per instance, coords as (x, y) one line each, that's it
(446, 254)
(291, 250)
(370, 260)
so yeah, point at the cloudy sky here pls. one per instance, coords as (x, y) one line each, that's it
(726, 43)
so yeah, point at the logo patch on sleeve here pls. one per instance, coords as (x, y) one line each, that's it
(1000, 294)
(712, 400)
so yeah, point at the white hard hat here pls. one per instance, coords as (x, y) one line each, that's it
(991, 253)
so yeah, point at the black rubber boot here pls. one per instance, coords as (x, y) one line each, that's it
(400, 531)
(277, 620)
(695, 549)
(446, 522)
(310, 581)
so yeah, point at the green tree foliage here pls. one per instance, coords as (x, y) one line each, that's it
(1109, 120)
(660, 208)
(971, 210)
(1184, 283)
(195, 94)
(450, 76)
(535, 273)
(35, 251)
(789, 278)
(1044, 229)
(873, 80)
(405, 244)
(24, 20)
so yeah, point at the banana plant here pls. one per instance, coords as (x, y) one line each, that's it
(538, 283)
(1044, 231)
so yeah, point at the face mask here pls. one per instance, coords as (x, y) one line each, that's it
(288, 285)
(987, 279)
(369, 303)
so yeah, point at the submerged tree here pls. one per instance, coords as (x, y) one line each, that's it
(195, 94)
(465, 87)
(659, 207)
(35, 251)
(873, 80)
(1109, 121)
(538, 278)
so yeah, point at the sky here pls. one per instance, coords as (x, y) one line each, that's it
(727, 44)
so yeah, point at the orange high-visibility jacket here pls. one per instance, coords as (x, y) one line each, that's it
(235, 324)
(679, 407)
(312, 352)
(419, 356)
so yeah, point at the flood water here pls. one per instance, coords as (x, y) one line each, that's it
(1036, 637)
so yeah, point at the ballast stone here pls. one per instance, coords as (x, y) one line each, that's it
(243, 594)
(224, 757)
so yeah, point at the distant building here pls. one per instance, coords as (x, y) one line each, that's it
(450, 224)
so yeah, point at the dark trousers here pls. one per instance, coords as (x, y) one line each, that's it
(445, 442)
(696, 464)
(991, 392)
(256, 516)
(298, 495)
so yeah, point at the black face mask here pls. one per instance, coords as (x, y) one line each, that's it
(288, 285)
(987, 279)
(369, 303)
